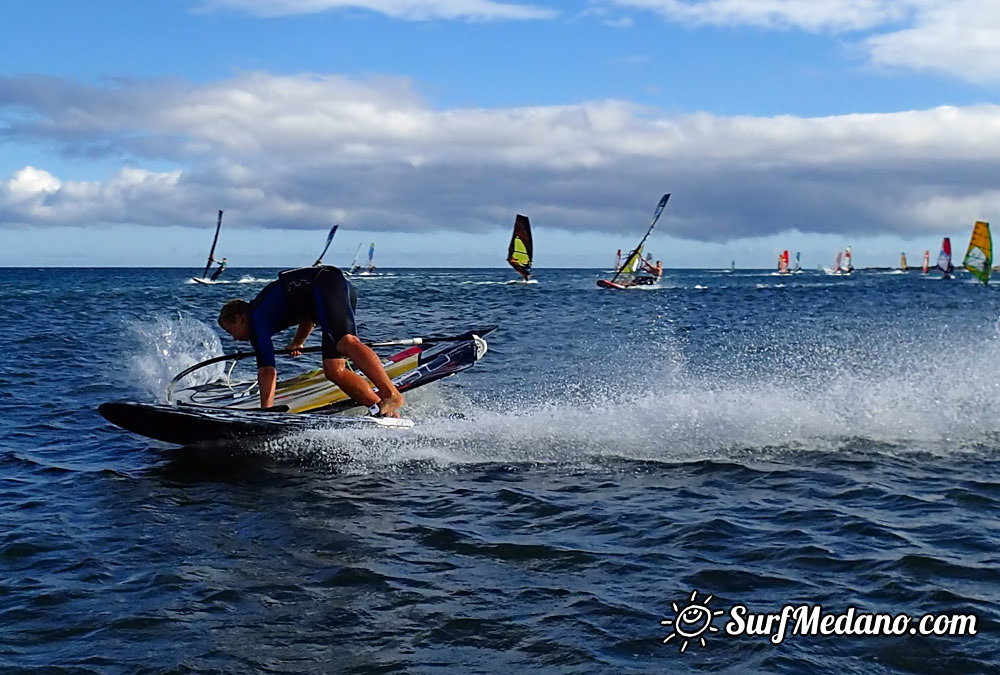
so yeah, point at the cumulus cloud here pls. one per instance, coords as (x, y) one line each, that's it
(957, 38)
(302, 151)
(960, 38)
(411, 10)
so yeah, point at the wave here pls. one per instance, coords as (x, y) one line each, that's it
(887, 397)
(164, 346)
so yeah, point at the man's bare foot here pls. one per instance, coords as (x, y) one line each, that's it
(390, 406)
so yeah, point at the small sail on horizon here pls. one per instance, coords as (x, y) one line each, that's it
(944, 258)
(798, 262)
(783, 262)
(371, 256)
(520, 250)
(902, 261)
(354, 263)
(848, 265)
(979, 258)
(927, 261)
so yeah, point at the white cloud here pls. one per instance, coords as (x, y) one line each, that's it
(811, 15)
(299, 151)
(411, 10)
(958, 38)
(30, 183)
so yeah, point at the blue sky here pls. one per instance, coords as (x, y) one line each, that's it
(425, 125)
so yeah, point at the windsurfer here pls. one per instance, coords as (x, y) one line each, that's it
(312, 296)
(222, 267)
(655, 271)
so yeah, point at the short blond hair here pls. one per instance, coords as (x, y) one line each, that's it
(232, 309)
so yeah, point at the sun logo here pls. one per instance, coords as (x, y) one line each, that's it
(691, 621)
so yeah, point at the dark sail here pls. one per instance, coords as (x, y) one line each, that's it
(519, 252)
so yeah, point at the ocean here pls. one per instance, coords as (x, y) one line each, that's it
(622, 468)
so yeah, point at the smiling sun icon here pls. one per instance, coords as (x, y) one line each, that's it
(691, 621)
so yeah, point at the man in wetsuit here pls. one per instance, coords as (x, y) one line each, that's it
(218, 272)
(309, 296)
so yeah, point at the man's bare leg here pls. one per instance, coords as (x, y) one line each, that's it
(388, 397)
(351, 383)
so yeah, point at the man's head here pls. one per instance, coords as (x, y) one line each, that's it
(233, 318)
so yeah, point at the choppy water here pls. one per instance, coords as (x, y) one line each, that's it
(809, 440)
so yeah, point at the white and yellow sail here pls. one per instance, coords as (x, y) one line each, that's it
(979, 258)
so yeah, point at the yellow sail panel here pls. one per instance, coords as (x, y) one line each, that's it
(520, 254)
(631, 265)
(311, 390)
(979, 257)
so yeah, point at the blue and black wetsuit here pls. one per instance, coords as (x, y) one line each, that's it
(320, 294)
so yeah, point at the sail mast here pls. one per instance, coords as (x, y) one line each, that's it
(211, 253)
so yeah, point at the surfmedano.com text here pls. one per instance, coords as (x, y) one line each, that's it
(812, 620)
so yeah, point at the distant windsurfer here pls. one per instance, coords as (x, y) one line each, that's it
(220, 270)
(312, 296)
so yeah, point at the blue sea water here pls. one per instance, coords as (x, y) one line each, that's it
(766, 441)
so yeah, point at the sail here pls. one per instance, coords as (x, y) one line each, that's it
(329, 238)
(371, 256)
(211, 252)
(944, 258)
(783, 262)
(631, 265)
(979, 257)
(902, 261)
(927, 262)
(848, 266)
(836, 265)
(354, 262)
(798, 261)
(635, 257)
(519, 252)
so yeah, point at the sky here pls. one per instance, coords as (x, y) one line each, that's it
(426, 125)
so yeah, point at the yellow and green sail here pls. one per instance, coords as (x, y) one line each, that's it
(979, 257)
(520, 249)
(631, 265)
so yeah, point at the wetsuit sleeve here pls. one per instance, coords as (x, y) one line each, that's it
(263, 347)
